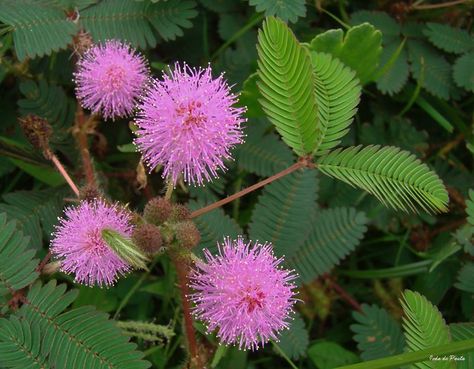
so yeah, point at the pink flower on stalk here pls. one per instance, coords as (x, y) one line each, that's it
(110, 78)
(187, 124)
(78, 244)
(243, 293)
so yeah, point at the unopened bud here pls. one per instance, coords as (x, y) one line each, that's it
(89, 192)
(180, 213)
(148, 238)
(157, 211)
(37, 130)
(187, 234)
(125, 249)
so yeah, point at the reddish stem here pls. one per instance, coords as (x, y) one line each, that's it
(300, 164)
(43, 262)
(63, 172)
(439, 6)
(182, 273)
(81, 131)
(343, 293)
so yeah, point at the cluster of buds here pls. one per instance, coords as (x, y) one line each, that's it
(165, 225)
(38, 132)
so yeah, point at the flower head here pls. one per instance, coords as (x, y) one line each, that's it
(187, 124)
(110, 78)
(78, 244)
(243, 292)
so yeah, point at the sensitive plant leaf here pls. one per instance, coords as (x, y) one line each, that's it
(470, 207)
(463, 71)
(466, 278)
(285, 211)
(460, 332)
(437, 72)
(287, 10)
(377, 334)
(330, 355)
(17, 266)
(359, 49)
(395, 78)
(134, 21)
(19, 345)
(263, 154)
(338, 94)
(73, 338)
(334, 233)
(389, 27)
(424, 328)
(286, 84)
(449, 39)
(39, 26)
(295, 340)
(397, 178)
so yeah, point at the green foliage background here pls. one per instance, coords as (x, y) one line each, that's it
(378, 78)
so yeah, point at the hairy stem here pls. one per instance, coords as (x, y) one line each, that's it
(182, 273)
(298, 165)
(81, 130)
(63, 172)
(343, 293)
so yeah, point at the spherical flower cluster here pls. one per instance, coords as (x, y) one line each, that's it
(187, 124)
(243, 293)
(110, 78)
(78, 244)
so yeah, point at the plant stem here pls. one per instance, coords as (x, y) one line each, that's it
(169, 190)
(81, 130)
(439, 6)
(343, 293)
(63, 172)
(182, 273)
(206, 209)
(397, 361)
(280, 351)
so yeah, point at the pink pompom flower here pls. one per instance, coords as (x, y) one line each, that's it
(110, 78)
(188, 124)
(243, 292)
(77, 242)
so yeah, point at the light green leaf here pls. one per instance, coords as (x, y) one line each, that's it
(338, 94)
(459, 332)
(286, 84)
(397, 178)
(359, 49)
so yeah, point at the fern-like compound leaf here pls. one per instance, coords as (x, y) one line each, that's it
(449, 39)
(20, 345)
(463, 71)
(78, 338)
(287, 86)
(17, 266)
(285, 210)
(424, 328)
(334, 233)
(287, 10)
(294, 341)
(338, 94)
(396, 177)
(377, 334)
(466, 278)
(39, 26)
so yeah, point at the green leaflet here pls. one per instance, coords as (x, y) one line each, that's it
(287, 10)
(463, 71)
(19, 345)
(17, 266)
(449, 39)
(459, 332)
(377, 334)
(286, 84)
(77, 338)
(334, 233)
(466, 278)
(338, 94)
(294, 341)
(39, 27)
(285, 210)
(359, 49)
(424, 328)
(397, 178)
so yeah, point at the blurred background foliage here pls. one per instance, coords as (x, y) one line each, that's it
(417, 95)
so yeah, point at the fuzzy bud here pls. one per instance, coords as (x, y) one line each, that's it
(148, 238)
(157, 211)
(37, 130)
(180, 213)
(89, 192)
(187, 234)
